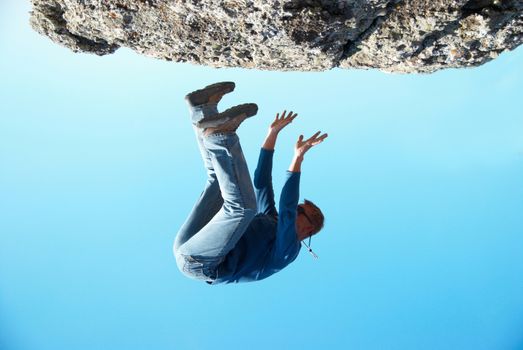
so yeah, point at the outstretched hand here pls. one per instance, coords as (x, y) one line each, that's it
(302, 146)
(280, 122)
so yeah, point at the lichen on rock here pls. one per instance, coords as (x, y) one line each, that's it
(305, 35)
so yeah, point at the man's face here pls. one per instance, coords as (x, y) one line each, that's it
(304, 226)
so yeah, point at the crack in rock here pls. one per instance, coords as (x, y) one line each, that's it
(352, 45)
(403, 36)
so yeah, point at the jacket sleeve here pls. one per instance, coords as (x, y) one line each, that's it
(263, 184)
(286, 237)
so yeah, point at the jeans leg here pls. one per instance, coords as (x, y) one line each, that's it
(209, 246)
(207, 205)
(202, 111)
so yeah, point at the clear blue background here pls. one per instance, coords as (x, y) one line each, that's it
(420, 180)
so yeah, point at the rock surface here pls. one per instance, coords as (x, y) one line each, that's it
(391, 35)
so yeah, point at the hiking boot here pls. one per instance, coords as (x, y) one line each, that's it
(216, 120)
(229, 120)
(202, 96)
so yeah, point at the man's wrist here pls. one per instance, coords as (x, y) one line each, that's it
(272, 133)
(295, 166)
(297, 158)
(270, 141)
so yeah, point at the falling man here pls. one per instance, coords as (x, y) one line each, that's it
(234, 232)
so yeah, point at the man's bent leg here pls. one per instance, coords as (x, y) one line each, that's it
(207, 205)
(204, 251)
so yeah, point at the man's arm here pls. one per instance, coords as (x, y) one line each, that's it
(286, 236)
(263, 173)
(263, 184)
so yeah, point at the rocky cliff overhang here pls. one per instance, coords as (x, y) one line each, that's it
(303, 35)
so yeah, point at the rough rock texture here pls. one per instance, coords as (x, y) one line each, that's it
(392, 35)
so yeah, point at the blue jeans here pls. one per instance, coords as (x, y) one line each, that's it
(223, 212)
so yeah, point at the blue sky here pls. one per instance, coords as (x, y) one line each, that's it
(420, 181)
